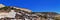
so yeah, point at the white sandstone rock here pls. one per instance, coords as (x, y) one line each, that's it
(1, 5)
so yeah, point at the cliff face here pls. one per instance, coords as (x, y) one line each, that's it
(8, 11)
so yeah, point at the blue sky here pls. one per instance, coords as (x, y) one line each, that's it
(35, 5)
